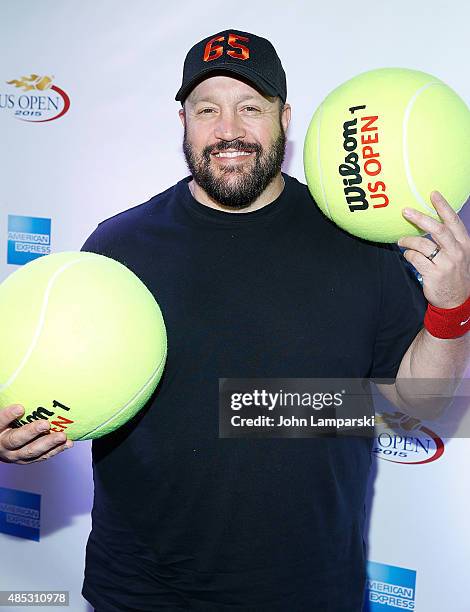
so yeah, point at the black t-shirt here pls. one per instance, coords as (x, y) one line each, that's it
(183, 520)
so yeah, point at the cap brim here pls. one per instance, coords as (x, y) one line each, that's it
(261, 84)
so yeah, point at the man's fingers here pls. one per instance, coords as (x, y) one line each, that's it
(28, 443)
(41, 457)
(9, 414)
(15, 438)
(42, 448)
(450, 217)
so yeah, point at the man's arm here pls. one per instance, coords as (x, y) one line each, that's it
(439, 364)
(433, 367)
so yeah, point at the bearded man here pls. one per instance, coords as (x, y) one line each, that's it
(253, 282)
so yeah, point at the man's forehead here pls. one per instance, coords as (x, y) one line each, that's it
(225, 86)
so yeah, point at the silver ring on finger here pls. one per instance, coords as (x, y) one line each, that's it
(434, 253)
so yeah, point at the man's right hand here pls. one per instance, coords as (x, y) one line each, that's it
(28, 443)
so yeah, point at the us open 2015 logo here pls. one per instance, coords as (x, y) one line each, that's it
(404, 439)
(41, 100)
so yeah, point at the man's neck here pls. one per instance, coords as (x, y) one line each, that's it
(271, 193)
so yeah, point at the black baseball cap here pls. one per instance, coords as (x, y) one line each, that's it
(241, 53)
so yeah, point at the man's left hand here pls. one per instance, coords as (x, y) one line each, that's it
(446, 278)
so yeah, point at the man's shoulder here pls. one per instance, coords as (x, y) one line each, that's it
(298, 191)
(294, 183)
(143, 210)
(327, 231)
(131, 222)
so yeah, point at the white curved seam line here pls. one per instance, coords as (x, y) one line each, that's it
(320, 173)
(133, 398)
(406, 160)
(40, 324)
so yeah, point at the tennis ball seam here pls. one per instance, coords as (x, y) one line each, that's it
(40, 325)
(406, 162)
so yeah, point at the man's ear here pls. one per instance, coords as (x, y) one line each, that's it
(182, 116)
(286, 116)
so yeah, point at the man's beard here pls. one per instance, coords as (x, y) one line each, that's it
(249, 183)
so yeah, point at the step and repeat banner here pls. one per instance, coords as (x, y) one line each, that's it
(89, 127)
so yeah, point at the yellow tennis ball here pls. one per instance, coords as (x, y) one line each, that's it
(83, 343)
(384, 140)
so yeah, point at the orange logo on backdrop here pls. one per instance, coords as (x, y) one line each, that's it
(239, 51)
(34, 81)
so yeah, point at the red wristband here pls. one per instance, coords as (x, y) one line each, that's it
(448, 322)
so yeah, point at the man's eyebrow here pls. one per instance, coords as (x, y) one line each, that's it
(251, 97)
(197, 100)
(206, 100)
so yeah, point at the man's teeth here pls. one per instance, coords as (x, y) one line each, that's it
(232, 153)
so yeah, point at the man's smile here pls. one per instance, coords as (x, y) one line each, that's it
(231, 153)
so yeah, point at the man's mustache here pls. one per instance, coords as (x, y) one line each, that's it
(234, 145)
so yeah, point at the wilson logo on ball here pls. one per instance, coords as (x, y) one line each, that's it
(356, 196)
(58, 422)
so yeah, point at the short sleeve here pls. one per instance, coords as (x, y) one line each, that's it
(91, 244)
(401, 313)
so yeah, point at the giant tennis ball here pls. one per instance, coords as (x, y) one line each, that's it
(83, 343)
(385, 140)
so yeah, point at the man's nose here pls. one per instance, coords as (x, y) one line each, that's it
(229, 126)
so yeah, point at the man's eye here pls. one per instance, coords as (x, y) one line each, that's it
(206, 111)
(251, 109)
